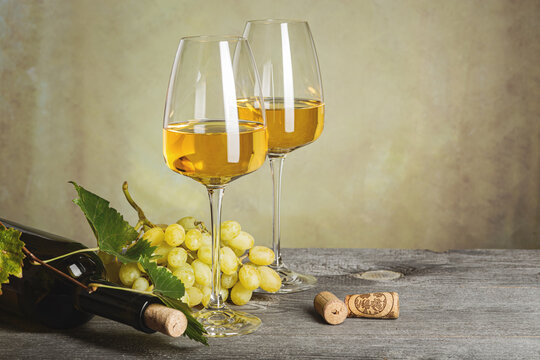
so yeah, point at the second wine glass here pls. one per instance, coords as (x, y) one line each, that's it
(293, 98)
(214, 132)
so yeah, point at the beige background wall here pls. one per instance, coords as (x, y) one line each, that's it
(432, 135)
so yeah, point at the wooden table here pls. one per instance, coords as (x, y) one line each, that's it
(479, 304)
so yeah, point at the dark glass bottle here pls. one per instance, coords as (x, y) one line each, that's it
(44, 296)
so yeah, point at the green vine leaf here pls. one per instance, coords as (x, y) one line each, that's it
(165, 283)
(112, 232)
(11, 254)
(140, 248)
(170, 290)
(195, 330)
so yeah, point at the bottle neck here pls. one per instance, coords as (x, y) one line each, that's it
(118, 305)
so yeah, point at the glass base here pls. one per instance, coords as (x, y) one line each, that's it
(226, 322)
(292, 281)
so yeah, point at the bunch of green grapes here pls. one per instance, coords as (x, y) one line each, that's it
(185, 249)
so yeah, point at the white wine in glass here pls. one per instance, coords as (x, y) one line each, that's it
(293, 99)
(214, 131)
(198, 149)
(308, 124)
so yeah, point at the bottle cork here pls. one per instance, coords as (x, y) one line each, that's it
(330, 308)
(380, 305)
(165, 320)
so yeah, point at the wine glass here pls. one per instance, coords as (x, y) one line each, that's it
(293, 98)
(207, 138)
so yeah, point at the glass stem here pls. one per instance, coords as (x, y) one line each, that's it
(215, 195)
(276, 165)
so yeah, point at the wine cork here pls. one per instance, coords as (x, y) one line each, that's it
(380, 305)
(165, 320)
(330, 307)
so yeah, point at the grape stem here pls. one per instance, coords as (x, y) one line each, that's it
(142, 217)
(68, 254)
(201, 226)
(34, 258)
(139, 225)
(94, 287)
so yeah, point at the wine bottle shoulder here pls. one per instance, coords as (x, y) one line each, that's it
(43, 244)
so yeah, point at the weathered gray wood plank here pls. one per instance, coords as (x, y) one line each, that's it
(482, 304)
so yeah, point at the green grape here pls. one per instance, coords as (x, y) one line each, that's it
(193, 239)
(261, 255)
(240, 295)
(229, 230)
(185, 298)
(174, 235)
(206, 296)
(223, 243)
(141, 269)
(205, 254)
(128, 273)
(224, 294)
(155, 236)
(186, 274)
(206, 239)
(270, 280)
(140, 284)
(162, 251)
(238, 252)
(186, 268)
(203, 275)
(199, 286)
(249, 277)
(242, 241)
(195, 296)
(228, 260)
(177, 256)
(228, 281)
(187, 222)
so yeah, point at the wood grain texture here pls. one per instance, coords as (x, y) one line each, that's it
(474, 304)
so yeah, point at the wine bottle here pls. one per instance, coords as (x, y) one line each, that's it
(45, 296)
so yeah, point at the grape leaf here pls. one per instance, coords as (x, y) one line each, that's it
(170, 289)
(112, 232)
(140, 248)
(165, 283)
(11, 254)
(194, 330)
